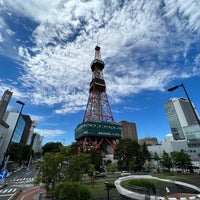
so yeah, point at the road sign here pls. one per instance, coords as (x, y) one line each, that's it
(3, 173)
(26, 174)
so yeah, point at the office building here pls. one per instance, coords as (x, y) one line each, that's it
(129, 130)
(171, 145)
(37, 142)
(3, 106)
(4, 102)
(180, 115)
(183, 123)
(3, 125)
(31, 135)
(16, 123)
(149, 141)
(27, 128)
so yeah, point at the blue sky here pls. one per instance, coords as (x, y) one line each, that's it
(46, 48)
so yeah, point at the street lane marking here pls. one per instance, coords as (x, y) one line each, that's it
(14, 189)
(11, 190)
(23, 179)
(5, 191)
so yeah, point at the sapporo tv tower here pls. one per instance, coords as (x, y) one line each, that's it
(98, 129)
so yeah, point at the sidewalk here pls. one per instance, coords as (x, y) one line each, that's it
(30, 193)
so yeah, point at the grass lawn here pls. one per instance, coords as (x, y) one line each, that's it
(193, 179)
(99, 185)
(99, 188)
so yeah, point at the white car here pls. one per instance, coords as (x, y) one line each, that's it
(125, 173)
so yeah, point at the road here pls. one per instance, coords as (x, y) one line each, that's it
(17, 181)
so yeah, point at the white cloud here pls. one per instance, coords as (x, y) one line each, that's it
(37, 118)
(49, 133)
(1, 38)
(2, 26)
(10, 32)
(185, 14)
(142, 45)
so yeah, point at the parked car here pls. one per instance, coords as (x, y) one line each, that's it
(196, 170)
(99, 175)
(125, 173)
(146, 170)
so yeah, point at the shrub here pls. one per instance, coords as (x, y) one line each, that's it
(71, 191)
(143, 183)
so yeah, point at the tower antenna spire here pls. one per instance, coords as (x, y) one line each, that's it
(97, 40)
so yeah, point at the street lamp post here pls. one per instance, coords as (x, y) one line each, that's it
(182, 85)
(22, 105)
(107, 188)
(3, 165)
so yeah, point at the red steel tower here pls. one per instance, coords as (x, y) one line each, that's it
(98, 108)
(98, 129)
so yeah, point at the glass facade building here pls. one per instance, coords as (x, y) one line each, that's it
(174, 123)
(18, 129)
(180, 115)
(183, 122)
(192, 134)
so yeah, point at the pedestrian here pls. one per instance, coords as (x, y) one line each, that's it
(167, 190)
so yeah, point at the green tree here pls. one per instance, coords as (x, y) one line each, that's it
(181, 160)
(107, 162)
(128, 150)
(166, 160)
(16, 152)
(71, 191)
(26, 152)
(37, 155)
(58, 169)
(78, 165)
(137, 156)
(144, 152)
(19, 152)
(75, 148)
(96, 158)
(156, 157)
(52, 147)
(90, 170)
(132, 166)
(157, 161)
(120, 164)
(112, 167)
(50, 170)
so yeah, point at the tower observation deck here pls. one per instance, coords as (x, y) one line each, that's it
(98, 129)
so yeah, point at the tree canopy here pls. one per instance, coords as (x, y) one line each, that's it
(128, 150)
(166, 160)
(177, 159)
(19, 152)
(52, 147)
(181, 160)
(60, 169)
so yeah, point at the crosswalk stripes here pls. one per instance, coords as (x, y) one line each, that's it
(23, 179)
(19, 182)
(8, 191)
